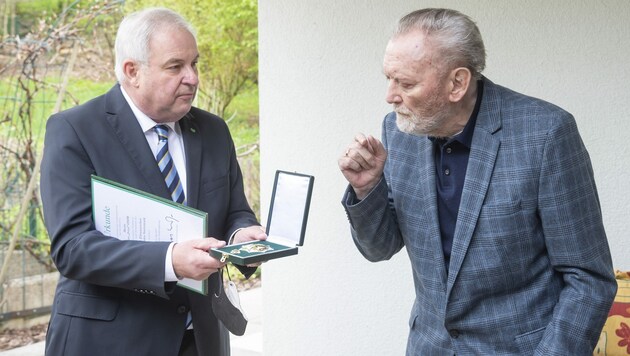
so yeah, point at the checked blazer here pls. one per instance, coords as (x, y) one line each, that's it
(530, 269)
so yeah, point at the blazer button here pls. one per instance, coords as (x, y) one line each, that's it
(182, 309)
(454, 333)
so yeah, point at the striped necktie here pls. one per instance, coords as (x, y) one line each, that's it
(167, 167)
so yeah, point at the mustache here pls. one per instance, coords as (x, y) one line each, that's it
(399, 109)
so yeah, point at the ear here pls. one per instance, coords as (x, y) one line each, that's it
(459, 80)
(131, 70)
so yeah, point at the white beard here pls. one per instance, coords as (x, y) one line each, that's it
(411, 123)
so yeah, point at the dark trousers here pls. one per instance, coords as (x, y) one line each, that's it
(188, 347)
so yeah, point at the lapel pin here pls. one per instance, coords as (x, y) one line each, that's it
(192, 129)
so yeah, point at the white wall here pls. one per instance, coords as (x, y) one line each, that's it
(321, 82)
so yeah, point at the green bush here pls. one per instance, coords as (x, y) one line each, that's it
(29, 12)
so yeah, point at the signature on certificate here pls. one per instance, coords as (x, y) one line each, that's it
(171, 226)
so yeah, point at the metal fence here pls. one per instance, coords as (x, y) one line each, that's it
(26, 295)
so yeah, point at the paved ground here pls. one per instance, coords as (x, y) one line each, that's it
(249, 344)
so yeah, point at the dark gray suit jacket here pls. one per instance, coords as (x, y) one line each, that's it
(111, 298)
(530, 269)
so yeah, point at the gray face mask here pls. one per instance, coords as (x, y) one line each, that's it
(227, 307)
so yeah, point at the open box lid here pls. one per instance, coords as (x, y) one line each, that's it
(288, 210)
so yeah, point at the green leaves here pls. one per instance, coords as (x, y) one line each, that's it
(227, 38)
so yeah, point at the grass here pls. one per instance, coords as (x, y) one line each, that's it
(87, 89)
(242, 116)
(42, 104)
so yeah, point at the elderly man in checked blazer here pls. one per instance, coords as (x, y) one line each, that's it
(492, 194)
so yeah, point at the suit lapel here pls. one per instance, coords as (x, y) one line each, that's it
(192, 145)
(428, 189)
(484, 150)
(132, 139)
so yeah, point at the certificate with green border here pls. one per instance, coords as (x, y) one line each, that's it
(127, 213)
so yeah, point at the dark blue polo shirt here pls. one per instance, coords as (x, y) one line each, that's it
(451, 161)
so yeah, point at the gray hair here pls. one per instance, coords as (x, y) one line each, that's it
(137, 29)
(456, 37)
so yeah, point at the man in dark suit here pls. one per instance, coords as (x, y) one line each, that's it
(119, 297)
(492, 194)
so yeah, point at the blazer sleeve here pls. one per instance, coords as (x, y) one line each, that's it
(372, 224)
(77, 249)
(576, 242)
(240, 214)
(373, 221)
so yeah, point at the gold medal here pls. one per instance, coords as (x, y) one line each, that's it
(256, 248)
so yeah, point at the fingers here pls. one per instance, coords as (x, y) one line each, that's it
(191, 259)
(362, 153)
(204, 244)
(250, 233)
(363, 140)
(214, 243)
(377, 148)
(362, 164)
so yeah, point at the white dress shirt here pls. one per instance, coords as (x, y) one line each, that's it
(176, 150)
